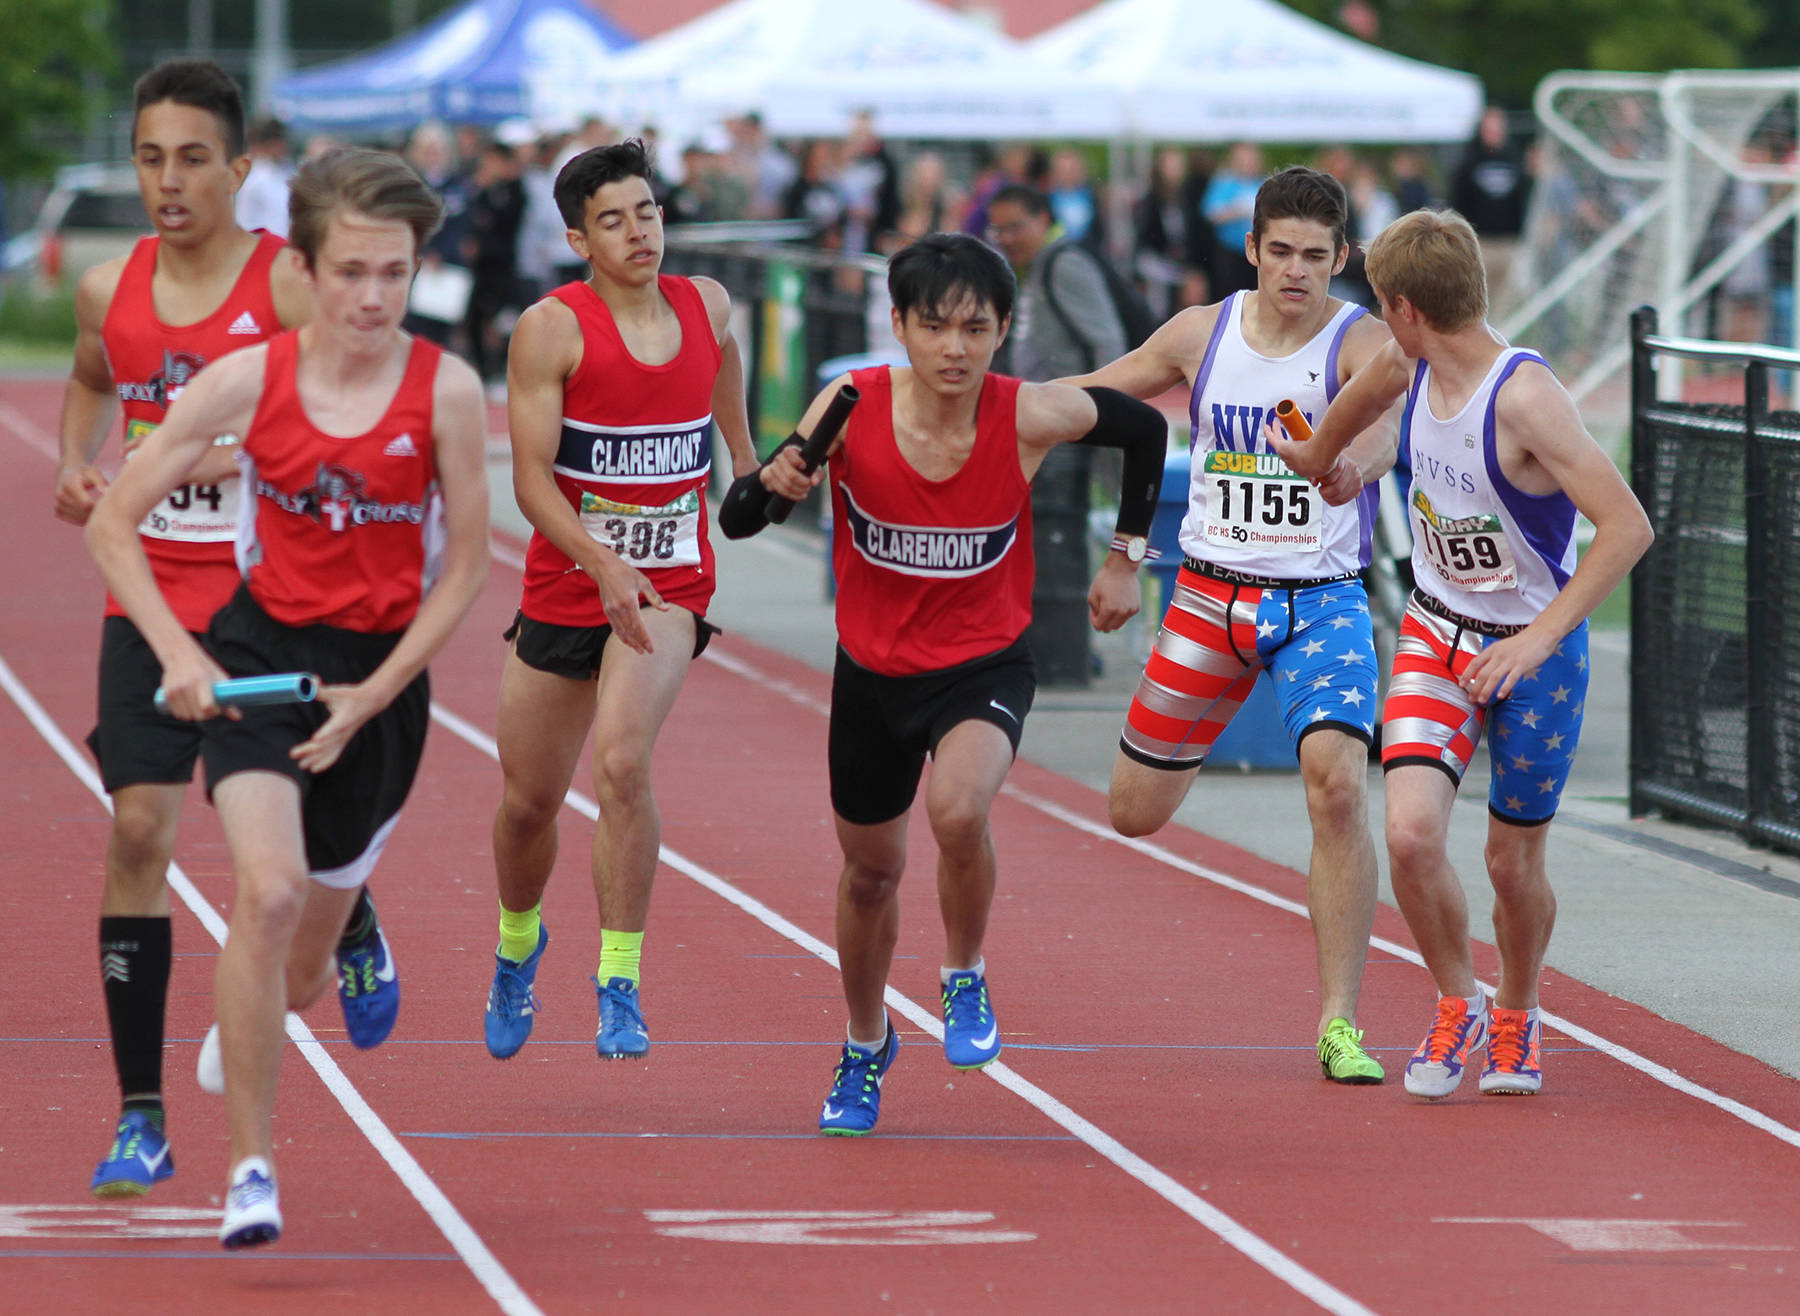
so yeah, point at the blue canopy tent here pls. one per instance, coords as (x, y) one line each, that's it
(485, 61)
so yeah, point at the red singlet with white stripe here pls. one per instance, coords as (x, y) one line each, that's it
(633, 460)
(188, 536)
(341, 531)
(931, 573)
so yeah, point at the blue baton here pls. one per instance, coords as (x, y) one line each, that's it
(255, 691)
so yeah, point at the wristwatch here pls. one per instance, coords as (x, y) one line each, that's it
(1135, 547)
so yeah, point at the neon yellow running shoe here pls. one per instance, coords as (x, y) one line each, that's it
(1342, 1058)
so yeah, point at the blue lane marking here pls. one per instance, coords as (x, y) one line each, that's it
(217, 1254)
(587, 1044)
(452, 1136)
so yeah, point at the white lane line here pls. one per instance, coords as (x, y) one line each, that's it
(1184, 1199)
(1150, 850)
(482, 1263)
(29, 431)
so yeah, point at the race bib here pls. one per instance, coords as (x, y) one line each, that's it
(1472, 552)
(192, 513)
(1253, 500)
(666, 536)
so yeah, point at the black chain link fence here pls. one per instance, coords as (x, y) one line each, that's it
(1715, 633)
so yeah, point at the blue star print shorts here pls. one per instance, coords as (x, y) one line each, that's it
(1429, 717)
(1221, 630)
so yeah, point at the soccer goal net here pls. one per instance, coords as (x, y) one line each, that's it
(1674, 190)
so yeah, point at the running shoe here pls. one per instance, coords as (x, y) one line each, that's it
(210, 1072)
(854, 1102)
(512, 1006)
(971, 1036)
(252, 1209)
(1342, 1057)
(139, 1157)
(1437, 1066)
(369, 990)
(622, 1034)
(1513, 1068)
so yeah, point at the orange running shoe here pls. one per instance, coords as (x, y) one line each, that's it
(1513, 1068)
(1437, 1066)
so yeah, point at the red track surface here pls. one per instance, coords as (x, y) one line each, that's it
(1218, 1172)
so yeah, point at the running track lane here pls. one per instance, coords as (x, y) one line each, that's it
(1173, 1005)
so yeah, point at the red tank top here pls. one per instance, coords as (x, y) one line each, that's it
(341, 531)
(931, 573)
(636, 448)
(188, 536)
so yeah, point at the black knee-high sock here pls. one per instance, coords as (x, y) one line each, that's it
(361, 924)
(134, 971)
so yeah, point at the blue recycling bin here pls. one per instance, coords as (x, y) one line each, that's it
(1256, 737)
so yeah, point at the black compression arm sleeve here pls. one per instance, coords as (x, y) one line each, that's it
(741, 510)
(1139, 430)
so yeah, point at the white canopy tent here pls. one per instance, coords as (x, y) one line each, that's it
(1250, 70)
(807, 65)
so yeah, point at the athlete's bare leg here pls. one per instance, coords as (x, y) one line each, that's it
(1419, 798)
(260, 814)
(1341, 882)
(543, 720)
(139, 848)
(1524, 909)
(967, 770)
(1142, 799)
(312, 958)
(636, 692)
(868, 917)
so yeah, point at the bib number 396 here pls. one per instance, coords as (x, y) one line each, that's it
(667, 536)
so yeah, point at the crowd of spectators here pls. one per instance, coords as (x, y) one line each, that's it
(1179, 236)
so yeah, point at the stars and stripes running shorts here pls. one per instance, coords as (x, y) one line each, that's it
(1430, 719)
(1221, 631)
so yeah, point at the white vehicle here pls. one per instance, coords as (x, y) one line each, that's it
(92, 214)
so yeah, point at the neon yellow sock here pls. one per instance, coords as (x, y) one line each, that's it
(619, 954)
(519, 932)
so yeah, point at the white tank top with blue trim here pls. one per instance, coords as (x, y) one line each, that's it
(1246, 509)
(1481, 547)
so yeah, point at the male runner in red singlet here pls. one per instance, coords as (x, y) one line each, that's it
(362, 543)
(147, 323)
(1495, 632)
(931, 498)
(613, 385)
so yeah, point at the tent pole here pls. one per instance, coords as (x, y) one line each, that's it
(273, 56)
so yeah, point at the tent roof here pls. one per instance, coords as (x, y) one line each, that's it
(485, 61)
(807, 65)
(1228, 70)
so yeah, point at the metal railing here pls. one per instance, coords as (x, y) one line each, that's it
(1715, 605)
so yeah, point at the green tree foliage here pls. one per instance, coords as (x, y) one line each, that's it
(1511, 45)
(50, 45)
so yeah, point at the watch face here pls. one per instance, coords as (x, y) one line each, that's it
(1136, 547)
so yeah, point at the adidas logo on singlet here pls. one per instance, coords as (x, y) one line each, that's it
(401, 447)
(245, 324)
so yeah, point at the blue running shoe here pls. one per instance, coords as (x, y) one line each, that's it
(854, 1102)
(139, 1157)
(369, 990)
(971, 1037)
(252, 1208)
(622, 1034)
(512, 1006)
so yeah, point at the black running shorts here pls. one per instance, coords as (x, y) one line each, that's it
(574, 651)
(882, 727)
(347, 810)
(132, 742)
